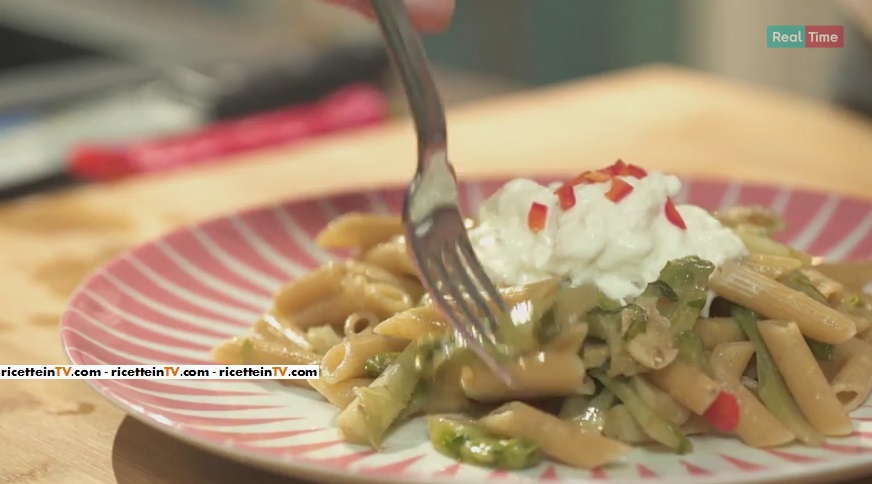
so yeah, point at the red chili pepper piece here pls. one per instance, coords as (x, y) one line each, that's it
(566, 194)
(591, 177)
(619, 190)
(723, 413)
(616, 168)
(634, 171)
(537, 216)
(673, 216)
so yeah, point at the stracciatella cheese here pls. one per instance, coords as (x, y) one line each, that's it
(619, 246)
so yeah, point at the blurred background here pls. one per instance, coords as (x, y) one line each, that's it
(96, 90)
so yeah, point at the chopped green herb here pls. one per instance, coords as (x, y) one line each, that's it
(771, 387)
(376, 364)
(821, 351)
(468, 442)
(799, 282)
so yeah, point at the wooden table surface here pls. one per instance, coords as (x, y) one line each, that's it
(59, 432)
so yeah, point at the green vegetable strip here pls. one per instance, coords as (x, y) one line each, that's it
(417, 403)
(821, 351)
(377, 406)
(692, 350)
(469, 443)
(589, 413)
(607, 326)
(799, 282)
(683, 284)
(377, 364)
(771, 388)
(654, 425)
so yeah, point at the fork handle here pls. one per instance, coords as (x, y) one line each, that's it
(405, 49)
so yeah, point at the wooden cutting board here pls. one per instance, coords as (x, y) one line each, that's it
(63, 433)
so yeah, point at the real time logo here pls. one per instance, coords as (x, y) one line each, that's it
(805, 36)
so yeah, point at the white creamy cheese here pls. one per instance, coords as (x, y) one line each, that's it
(620, 247)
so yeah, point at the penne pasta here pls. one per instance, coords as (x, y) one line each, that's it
(844, 351)
(359, 231)
(274, 330)
(414, 324)
(732, 358)
(829, 288)
(715, 331)
(543, 374)
(392, 256)
(375, 408)
(322, 338)
(757, 426)
(559, 439)
(772, 266)
(594, 355)
(804, 378)
(339, 394)
(299, 294)
(853, 382)
(358, 323)
(346, 360)
(776, 301)
(686, 384)
(256, 350)
(376, 274)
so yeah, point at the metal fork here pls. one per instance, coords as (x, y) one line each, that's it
(434, 225)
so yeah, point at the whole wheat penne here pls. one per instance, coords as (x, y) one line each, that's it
(413, 324)
(714, 331)
(544, 374)
(732, 358)
(557, 438)
(393, 256)
(339, 394)
(687, 384)
(359, 230)
(773, 266)
(757, 426)
(359, 322)
(346, 360)
(777, 301)
(282, 332)
(804, 378)
(853, 382)
(322, 338)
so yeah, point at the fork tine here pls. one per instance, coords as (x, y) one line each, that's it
(471, 340)
(454, 259)
(459, 300)
(465, 247)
